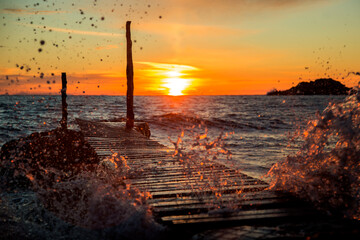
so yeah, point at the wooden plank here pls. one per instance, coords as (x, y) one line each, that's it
(243, 215)
(139, 179)
(189, 199)
(178, 175)
(207, 205)
(194, 182)
(184, 183)
(187, 192)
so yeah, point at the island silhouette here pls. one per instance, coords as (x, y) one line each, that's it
(323, 86)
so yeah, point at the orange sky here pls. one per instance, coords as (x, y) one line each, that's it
(219, 47)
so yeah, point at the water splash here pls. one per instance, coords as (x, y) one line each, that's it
(97, 204)
(199, 154)
(326, 170)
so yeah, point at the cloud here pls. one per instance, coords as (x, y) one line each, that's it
(26, 11)
(74, 31)
(245, 4)
(284, 3)
(169, 66)
(107, 47)
(230, 10)
(193, 30)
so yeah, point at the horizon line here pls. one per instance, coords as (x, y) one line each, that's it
(164, 95)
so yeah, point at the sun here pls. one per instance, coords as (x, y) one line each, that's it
(176, 85)
(173, 79)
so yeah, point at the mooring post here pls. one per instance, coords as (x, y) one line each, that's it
(130, 80)
(63, 121)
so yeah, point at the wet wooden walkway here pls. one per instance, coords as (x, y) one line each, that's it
(179, 195)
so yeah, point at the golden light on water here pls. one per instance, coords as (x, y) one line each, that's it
(174, 79)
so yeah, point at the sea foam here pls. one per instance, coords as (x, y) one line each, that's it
(326, 170)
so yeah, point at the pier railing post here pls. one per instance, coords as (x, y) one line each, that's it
(130, 80)
(63, 121)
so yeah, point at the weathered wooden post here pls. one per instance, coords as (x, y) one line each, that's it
(63, 121)
(130, 80)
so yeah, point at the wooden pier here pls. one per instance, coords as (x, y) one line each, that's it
(172, 201)
(180, 195)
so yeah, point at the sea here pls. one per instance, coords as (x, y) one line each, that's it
(260, 128)
(307, 145)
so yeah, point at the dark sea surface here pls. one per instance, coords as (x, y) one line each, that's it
(260, 126)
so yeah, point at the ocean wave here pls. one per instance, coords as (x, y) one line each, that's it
(326, 170)
(93, 204)
(175, 120)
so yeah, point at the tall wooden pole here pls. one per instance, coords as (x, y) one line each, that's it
(63, 121)
(130, 80)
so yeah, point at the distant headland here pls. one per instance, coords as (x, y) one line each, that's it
(323, 86)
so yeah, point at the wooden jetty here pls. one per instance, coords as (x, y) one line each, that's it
(172, 201)
(180, 195)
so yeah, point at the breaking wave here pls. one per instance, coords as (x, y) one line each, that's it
(326, 170)
(91, 205)
(186, 121)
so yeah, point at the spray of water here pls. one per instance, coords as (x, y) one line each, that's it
(199, 154)
(326, 170)
(97, 204)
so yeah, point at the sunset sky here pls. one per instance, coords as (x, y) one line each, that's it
(194, 47)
